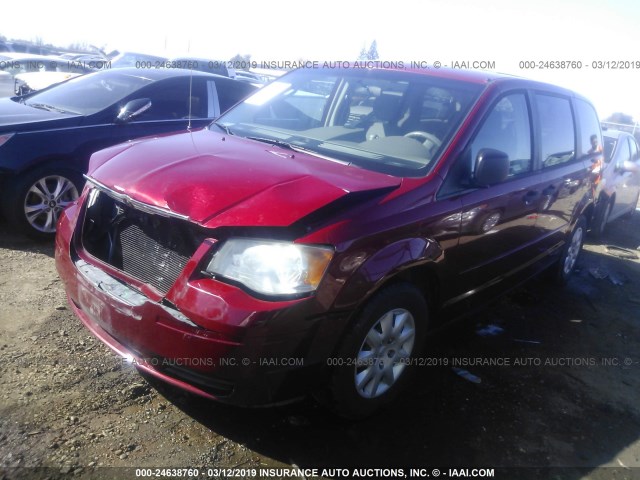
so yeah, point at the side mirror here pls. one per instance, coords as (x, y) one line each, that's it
(492, 166)
(132, 109)
(627, 166)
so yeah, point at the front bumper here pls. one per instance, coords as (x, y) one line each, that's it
(211, 339)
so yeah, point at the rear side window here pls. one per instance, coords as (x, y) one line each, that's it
(557, 131)
(590, 136)
(507, 128)
(231, 92)
(170, 100)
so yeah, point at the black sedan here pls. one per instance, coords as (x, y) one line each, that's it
(46, 138)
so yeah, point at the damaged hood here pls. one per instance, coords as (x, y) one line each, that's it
(215, 179)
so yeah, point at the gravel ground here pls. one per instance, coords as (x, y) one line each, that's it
(559, 401)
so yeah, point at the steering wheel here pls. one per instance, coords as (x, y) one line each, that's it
(429, 140)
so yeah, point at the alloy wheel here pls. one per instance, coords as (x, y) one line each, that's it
(574, 250)
(46, 199)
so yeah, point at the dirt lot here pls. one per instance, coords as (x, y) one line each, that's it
(562, 403)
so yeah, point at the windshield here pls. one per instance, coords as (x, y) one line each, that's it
(88, 94)
(389, 121)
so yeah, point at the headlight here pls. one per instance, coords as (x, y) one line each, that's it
(270, 267)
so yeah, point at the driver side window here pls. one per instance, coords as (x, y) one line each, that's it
(508, 129)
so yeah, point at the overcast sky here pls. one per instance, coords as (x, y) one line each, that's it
(505, 32)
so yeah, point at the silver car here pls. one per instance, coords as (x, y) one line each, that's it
(619, 186)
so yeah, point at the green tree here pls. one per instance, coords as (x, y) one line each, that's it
(372, 54)
(621, 118)
(243, 62)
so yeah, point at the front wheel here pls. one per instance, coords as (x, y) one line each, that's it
(34, 202)
(377, 356)
(571, 251)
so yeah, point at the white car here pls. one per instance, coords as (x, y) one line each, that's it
(619, 186)
(30, 82)
(14, 64)
(6, 82)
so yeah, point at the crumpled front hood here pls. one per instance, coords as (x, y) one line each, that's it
(217, 179)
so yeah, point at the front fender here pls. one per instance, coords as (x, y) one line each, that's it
(377, 269)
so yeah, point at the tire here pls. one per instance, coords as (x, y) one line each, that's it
(35, 200)
(601, 218)
(376, 356)
(571, 251)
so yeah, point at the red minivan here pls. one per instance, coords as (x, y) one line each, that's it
(311, 237)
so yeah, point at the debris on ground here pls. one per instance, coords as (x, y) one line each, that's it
(621, 252)
(618, 279)
(598, 273)
(467, 375)
(489, 331)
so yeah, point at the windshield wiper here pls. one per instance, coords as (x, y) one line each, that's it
(224, 127)
(278, 143)
(298, 148)
(44, 106)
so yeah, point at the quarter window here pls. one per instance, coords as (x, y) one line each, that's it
(590, 138)
(557, 132)
(230, 92)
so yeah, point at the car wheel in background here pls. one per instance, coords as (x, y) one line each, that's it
(35, 200)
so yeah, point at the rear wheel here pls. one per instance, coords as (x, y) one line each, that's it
(601, 218)
(377, 357)
(34, 203)
(571, 251)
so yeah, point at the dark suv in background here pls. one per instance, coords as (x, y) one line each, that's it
(310, 238)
